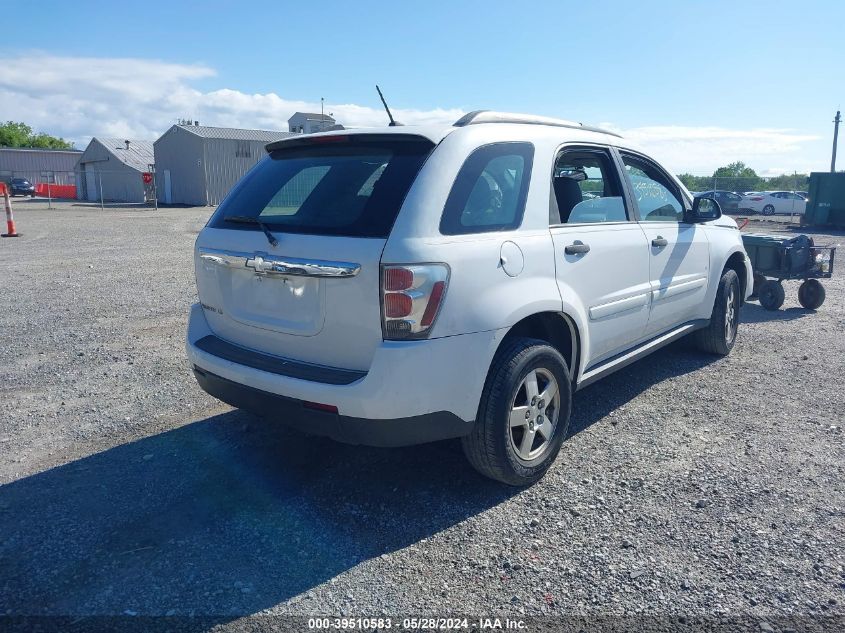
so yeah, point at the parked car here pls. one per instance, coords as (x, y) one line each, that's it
(728, 200)
(772, 202)
(21, 187)
(400, 285)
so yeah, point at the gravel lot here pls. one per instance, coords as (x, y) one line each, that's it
(691, 486)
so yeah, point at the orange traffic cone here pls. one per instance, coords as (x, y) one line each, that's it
(10, 219)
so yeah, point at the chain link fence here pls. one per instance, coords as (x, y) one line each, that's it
(742, 185)
(783, 198)
(98, 187)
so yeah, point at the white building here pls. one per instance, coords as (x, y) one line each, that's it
(112, 169)
(198, 165)
(308, 122)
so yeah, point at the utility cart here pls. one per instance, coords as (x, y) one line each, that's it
(775, 258)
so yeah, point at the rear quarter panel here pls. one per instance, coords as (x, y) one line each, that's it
(481, 295)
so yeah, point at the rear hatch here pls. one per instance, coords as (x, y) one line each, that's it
(289, 263)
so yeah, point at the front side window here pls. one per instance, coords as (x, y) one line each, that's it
(586, 188)
(655, 194)
(490, 190)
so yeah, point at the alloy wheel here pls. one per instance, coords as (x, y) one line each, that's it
(534, 414)
(730, 316)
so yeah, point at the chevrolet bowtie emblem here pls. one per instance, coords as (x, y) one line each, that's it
(261, 265)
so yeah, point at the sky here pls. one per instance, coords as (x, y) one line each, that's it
(698, 84)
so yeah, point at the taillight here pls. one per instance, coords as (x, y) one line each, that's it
(756, 199)
(397, 305)
(398, 278)
(411, 298)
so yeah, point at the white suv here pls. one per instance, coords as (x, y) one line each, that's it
(407, 284)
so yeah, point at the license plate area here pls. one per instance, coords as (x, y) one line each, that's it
(288, 304)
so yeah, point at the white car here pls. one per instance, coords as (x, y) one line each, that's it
(401, 285)
(774, 202)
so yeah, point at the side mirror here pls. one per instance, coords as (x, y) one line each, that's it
(703, 210)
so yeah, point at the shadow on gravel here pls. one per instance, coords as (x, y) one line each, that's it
(229, 515)
(597, 401)
(225, 516)
(754, 313)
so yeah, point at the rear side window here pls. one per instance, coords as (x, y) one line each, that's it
(490, 190)
(353, 186)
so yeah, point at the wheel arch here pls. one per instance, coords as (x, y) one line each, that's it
(737, 262)
(558, 329)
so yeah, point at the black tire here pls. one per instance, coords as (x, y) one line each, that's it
(771, 294)
(759, 280)
(811, 294)
(720, 334)
(490, 448)
(768, 210)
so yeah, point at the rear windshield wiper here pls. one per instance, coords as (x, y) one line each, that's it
(246, 219)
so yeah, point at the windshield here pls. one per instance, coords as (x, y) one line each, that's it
(353, 187)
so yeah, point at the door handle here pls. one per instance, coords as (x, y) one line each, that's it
(577, 248)
(659, 241)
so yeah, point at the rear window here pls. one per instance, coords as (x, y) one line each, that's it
(351, 187)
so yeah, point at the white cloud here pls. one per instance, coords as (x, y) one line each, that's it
(78, 97)
(701, 150)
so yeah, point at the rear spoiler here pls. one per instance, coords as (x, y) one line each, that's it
(310, 140)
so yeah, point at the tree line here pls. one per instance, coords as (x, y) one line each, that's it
(16, 134)
(740, 177)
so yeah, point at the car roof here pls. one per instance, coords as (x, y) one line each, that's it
(528, 126)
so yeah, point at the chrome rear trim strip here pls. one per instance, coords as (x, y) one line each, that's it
(264, 264)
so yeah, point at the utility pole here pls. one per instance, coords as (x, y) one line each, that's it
(835, 137)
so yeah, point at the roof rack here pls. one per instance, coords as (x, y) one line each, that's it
(491, 116)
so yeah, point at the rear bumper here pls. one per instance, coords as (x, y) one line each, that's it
(413, 381)
(418, 429)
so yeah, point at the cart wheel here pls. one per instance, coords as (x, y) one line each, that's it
(759, 280)
(771, 294)
(811, 294)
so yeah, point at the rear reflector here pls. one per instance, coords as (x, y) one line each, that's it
(319, 406)
(433, 303)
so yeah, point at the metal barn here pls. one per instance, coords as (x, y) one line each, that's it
(38, 165)
(198, 165)
(112, 169)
